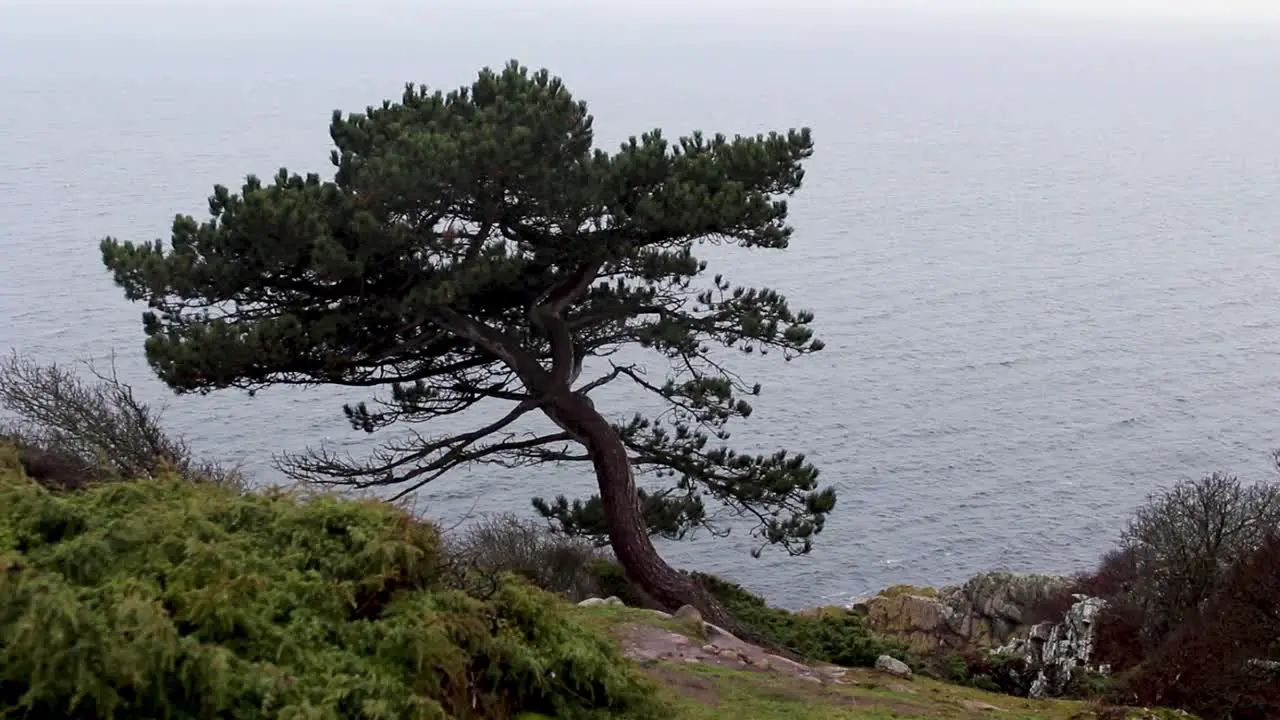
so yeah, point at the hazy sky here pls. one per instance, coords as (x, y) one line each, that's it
(1260, 17)
(1229, 10)
(1153, 9)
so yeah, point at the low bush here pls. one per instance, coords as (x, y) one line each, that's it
(70, 430)
(992, 672)
(163, 598)
(508, 543)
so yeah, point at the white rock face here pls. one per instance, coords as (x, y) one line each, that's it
(1056, 652)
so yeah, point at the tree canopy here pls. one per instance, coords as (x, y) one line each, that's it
(474, 248)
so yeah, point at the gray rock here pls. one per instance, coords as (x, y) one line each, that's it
(791, 665)
(592, 602)
(892, 666)
(996, 603)
(719, 634)
(614, 600)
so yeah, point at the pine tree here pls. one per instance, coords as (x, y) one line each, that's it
(474, 249)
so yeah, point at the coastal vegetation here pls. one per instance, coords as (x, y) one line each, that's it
(475, 258)
(187, 593)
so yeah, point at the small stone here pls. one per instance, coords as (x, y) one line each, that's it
(691, 661)
(614, 600)
(714, 631)
(730, 654)
(592, 602)
(892, 666)
(688, 611)
(760, 664)
(710, 649)
(782, 663)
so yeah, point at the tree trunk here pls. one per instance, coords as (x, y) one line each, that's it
(627, 531)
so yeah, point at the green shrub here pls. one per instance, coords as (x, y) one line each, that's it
(839, 637)
(993, 672)
(166, 599)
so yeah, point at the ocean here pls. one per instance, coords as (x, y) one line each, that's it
(1043, 256)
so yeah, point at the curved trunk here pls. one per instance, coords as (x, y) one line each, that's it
(625, 514)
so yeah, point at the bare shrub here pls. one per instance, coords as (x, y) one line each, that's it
(1113, 577)
(1183, 541)
(1220, 662)
(69, 430)
(508, 543)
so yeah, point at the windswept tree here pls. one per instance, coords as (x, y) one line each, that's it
(474, 249)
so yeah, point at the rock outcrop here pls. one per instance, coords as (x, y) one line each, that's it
(993, 613)
(987, 611)
(1055, 653)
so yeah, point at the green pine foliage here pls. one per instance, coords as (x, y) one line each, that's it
(477, 250)
(167, 599)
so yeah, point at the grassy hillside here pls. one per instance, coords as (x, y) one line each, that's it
(706, 692)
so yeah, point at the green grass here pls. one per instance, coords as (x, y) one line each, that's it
(614, 617)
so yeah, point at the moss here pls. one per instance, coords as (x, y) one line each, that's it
(163, 598)
(899, 590)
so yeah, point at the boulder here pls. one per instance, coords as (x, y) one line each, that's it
(892, 666)
(688, 611)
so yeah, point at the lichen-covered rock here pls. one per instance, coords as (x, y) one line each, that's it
(995, 605)
(985, 612)
(922, 623)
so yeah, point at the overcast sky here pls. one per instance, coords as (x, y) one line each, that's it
(1234, 10)
(1156, 9)
(1261, 16)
